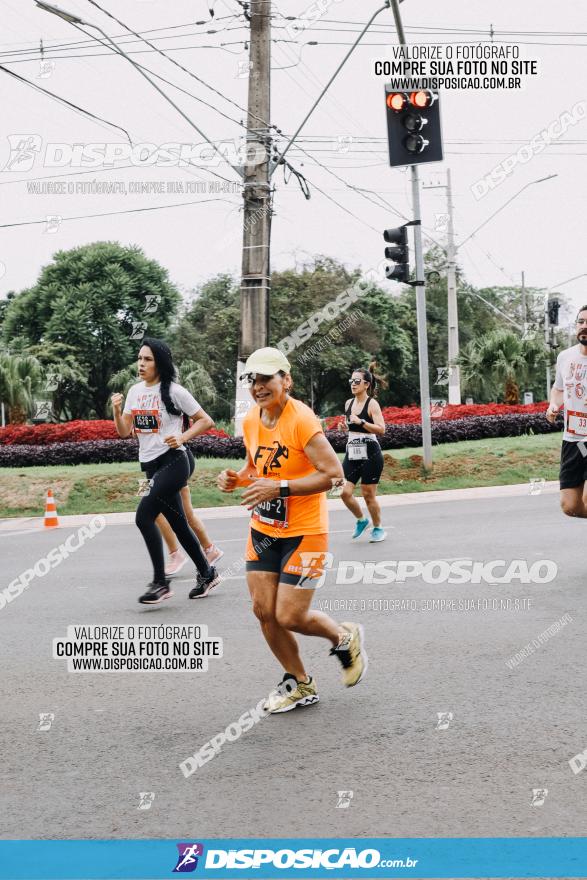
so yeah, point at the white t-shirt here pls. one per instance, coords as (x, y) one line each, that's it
(152, 422)
(571, 377)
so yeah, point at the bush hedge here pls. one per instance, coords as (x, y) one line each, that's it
(207, 446)
(78, 431)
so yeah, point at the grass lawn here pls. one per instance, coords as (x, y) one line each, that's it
(105, 488)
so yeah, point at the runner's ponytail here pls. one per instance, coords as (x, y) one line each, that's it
(378, 380)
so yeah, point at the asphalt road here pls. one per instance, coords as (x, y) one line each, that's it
(115, 734)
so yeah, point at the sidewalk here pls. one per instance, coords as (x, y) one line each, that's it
(35, 524)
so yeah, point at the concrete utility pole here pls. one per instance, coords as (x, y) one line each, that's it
(420, 290)
(255, 281)
(454, 372)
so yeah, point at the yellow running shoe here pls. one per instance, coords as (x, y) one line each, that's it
(304, 695)
(351, 653)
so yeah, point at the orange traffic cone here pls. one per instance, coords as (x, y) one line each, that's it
(51, 521)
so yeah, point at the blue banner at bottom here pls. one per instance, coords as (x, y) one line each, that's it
(300, 857)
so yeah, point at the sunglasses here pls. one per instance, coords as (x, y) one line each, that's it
(250, 378)
(355, 381)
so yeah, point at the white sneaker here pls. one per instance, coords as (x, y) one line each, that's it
(213, 553)
(176, 562)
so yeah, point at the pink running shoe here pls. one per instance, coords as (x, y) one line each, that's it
(176, 562)
(213, 553)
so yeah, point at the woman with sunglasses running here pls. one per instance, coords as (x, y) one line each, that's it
(363, 460)
(154, 407)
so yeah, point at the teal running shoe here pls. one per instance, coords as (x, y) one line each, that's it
(377, 534)
(360, 527)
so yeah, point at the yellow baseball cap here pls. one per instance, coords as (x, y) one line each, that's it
(267, 362)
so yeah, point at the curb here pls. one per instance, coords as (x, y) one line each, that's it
(35, 524)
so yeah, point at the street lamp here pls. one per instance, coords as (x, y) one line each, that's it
(66, 16)
(75, 20)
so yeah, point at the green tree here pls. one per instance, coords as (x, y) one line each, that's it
(207, 335)
(98, 300)
(369, 329)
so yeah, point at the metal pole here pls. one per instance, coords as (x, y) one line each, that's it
(454, 373)
(547, 341)
(524, 306)
(420, 290)
(421, 321)
(255, 283)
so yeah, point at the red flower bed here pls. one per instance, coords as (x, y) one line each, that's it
(410, 415)
(79, 431)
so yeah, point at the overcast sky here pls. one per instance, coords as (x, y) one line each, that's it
(541, 232)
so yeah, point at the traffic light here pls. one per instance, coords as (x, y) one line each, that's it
(400, 254)
(413, 127)
(553, 310)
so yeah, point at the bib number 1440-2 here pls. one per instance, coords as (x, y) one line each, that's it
(272, 513)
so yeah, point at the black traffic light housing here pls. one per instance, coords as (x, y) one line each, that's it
(553, 310)
(413, 127)
(400, 254)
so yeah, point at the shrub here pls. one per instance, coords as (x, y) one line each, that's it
(79, 431)
(396, 415)
(396, 437)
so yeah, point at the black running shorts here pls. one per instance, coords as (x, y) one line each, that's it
(367, 470)
(573, 471)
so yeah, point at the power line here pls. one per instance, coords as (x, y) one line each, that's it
(112, 213)
(61, 100)
(176, 63)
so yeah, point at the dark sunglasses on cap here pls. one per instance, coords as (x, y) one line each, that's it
(250, 378)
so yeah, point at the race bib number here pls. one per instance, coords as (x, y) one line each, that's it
(272, 513)
(357, 451)
(577, 423)
(146, 421)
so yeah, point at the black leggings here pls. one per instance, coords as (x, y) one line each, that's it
(168, 475)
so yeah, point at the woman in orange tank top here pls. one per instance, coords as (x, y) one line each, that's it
(290, 466)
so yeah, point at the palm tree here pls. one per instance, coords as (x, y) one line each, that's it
(501, 360)
(476, 379)
(20, 377)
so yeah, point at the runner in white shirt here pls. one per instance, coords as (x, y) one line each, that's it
(570, 390)
(155, 408)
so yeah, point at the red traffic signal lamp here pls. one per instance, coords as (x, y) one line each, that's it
(413, 127)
